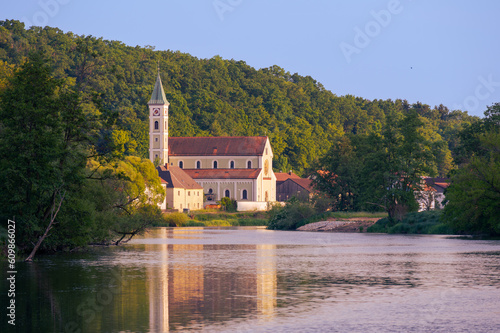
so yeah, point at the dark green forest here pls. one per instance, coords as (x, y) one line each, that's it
(217, 97)
(74, 137)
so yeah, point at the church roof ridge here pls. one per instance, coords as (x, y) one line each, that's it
(158, 95)
(217, 146)
(221, 137)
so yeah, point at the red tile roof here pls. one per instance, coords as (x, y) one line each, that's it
(223, 173)
(175, 177)
(282, 176)
(217, 146)
(437, 182)
(304, 183)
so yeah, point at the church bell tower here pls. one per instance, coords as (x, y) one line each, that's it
(158, 124)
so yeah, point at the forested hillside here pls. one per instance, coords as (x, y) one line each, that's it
(214, 97)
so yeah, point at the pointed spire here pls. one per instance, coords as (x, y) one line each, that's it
(158, 96)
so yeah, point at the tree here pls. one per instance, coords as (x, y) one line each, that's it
(125, 196)
(474, 194)
(42, 151)
(378, 170)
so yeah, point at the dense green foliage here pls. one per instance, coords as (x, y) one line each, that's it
(80, 137)
(213, 219)
(216, 97)
(379, 169)
(474, 194)
(60, 190)
(292, 215)
(428, 222)
(42, 156)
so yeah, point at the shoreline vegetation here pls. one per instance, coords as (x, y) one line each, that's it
(87, 113)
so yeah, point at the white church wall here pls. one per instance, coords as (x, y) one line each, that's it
(249, 206)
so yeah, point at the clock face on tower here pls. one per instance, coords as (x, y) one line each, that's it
(156, 112)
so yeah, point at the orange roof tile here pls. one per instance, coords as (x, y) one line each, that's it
(217, 146)
(282, 176)
(223, 173)
(304, 183)
(175, 177)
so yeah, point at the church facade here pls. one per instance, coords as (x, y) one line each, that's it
(236, 167)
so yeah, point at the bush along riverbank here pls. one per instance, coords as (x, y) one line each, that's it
(296, 214)
(427, 222)
(207, 218)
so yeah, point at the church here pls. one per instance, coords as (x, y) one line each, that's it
(199, 171)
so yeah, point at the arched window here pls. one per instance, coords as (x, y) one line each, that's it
(244, 195)
(231, 165)
(210, 191)
(215, 164)
(249, 164)
(227, 193)
(198, 164)
(156, 125)
(181, 164)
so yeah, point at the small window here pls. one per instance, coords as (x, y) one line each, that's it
(189, 193)
(215, 164)
(210, 191)
(249, 164)
(156, 125)
(231, 165)
(198, 164)
(227, 193)
(181, 164)
(244, 195)
(156, 139)
(179, 193)
(165, 124)
(198, 193)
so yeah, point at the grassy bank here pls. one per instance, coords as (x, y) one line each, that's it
(414, 223)
(210, 218)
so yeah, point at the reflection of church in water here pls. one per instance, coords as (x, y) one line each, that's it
(183, 291)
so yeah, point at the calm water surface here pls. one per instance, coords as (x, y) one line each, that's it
(255, 280)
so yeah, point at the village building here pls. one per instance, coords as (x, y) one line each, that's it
(289, 185)
(239, 168)
(432, 194)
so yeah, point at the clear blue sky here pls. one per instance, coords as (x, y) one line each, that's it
(422, 50)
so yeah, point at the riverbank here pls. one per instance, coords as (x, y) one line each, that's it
(214, 218)
(341, 225)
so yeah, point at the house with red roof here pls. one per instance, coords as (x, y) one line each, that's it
(289, 185)
(432, 194)
(236, 167)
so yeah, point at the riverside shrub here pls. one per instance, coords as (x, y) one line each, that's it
(176, 219)
(291, 216)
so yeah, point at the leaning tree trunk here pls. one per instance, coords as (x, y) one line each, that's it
(45, 234)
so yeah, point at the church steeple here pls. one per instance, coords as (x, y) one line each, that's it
(158, 96)
(158, 124)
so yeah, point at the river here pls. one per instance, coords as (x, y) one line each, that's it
(257, 280)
